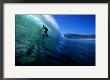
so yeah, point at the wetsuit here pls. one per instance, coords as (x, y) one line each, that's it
(46, 29)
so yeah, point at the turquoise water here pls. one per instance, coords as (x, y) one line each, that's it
(34, 49)
(29, 36)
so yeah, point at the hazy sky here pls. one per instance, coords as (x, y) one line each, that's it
(77, 24)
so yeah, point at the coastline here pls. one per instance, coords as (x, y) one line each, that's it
(77, 39)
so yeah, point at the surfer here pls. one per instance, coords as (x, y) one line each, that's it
(44, 34)
(45, 30)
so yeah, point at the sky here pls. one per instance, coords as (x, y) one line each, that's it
(76, 24)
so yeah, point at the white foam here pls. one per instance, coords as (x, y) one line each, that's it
(51, 20)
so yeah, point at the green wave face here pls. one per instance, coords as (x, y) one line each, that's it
(30, 38)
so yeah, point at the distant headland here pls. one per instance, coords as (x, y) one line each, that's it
(78, 36)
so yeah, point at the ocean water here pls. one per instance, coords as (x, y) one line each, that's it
(81, 51)
(32, 48)
(68, 53)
